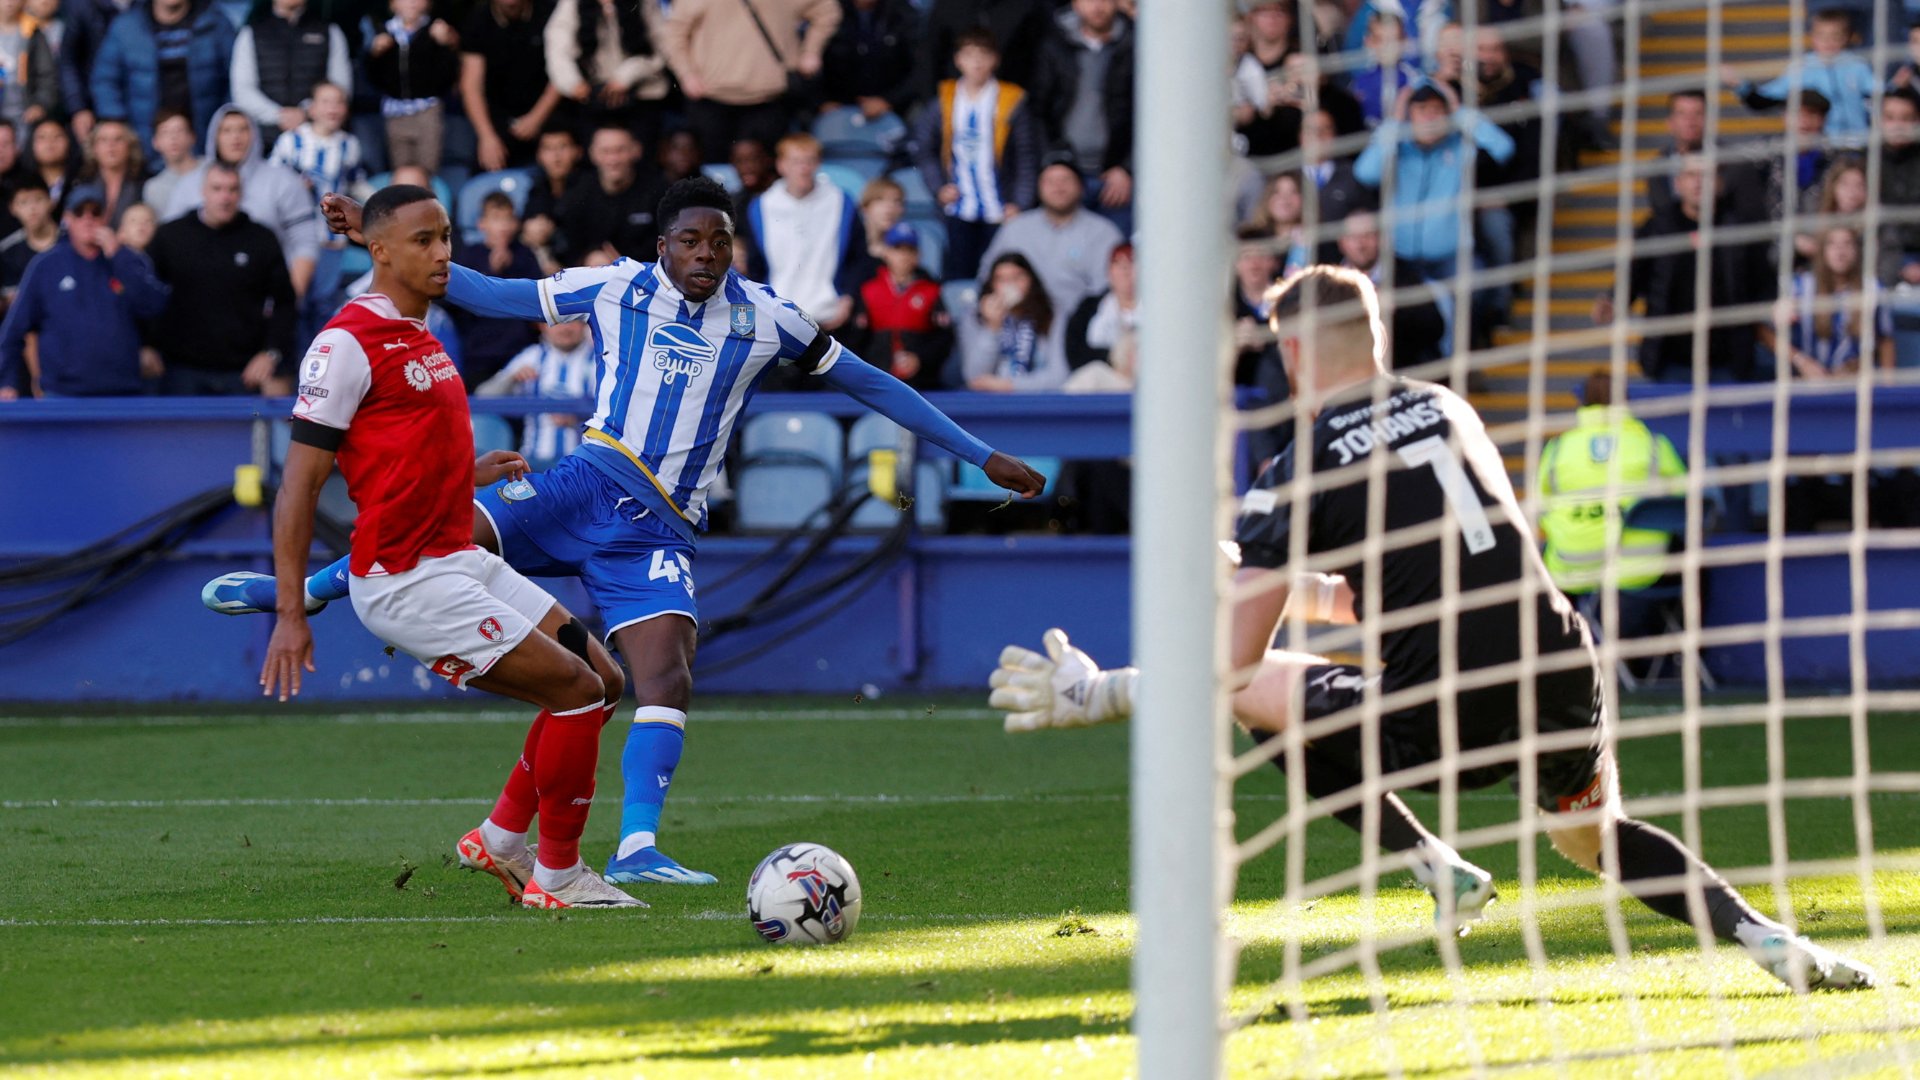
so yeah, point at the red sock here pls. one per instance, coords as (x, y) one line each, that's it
(519, 800)
(563, 772)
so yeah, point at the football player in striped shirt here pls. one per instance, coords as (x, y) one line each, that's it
(682, 343)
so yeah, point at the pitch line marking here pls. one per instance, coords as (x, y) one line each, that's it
(486, 717)
(360, 920)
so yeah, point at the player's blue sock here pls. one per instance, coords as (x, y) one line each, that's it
(330, 583)
(653, 752)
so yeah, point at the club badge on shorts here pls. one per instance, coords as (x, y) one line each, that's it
(741, 320)
(515, 490)
(490, 629)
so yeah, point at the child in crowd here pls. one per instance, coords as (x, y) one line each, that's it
(1010, 342)
(413, 62)
(45, 31)
(39, 230)
(324, 154)
(1825, 313)
(173, 141)
(1905, 73)
(899, 310)
(1845, 80)
(883, 204)
(137, 225)
(491, 343)
(1386, 72)
(562, 364)
(977, 147)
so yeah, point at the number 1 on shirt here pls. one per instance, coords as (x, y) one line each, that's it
(1474, 526)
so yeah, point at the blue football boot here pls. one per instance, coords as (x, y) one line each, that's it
(648, 864)
(248, 593)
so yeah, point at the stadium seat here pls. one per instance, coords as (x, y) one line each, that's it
(960, 296)
(492, 433)
(970, 483)
(933, 244)
(920, 201)
(725, 175)
(846, 133)
(514, 183)
(789, 468)
(846, 178)
(875, 432)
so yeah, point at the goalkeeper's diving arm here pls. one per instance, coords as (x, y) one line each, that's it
(1064, 688)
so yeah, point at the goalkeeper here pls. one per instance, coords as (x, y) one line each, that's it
(1441, 460)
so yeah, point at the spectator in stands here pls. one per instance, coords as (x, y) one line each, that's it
(805, 236)
(115, 168)
(869, 62)
(1899, 177)
(282, 53)
(1060, 241)
(46, 29)
(1018, 25)
(1739, 274)
(1433, 134)
(1339, 193)
(230, 324)
(1687, 127)
(977, 149)
(883, 204)
(1011, 342)
(679, 155)
(1841, 193)
(556, 176)
(1255, 268)
(1417, 325)
(1388, 69)
(1904, 73)
(1270, 99)
(898, 317)
(163, 54)
(1589, 35)
(413, 62)
(137, 227)
(562, 364)
(173, 141)
(503, 79)
(86, 23)
(1507, 83)
(14, 34)
(1101, 323)
(492, 342)
(85, 298)
(1842, 77)
(613, 211)
(1083, 97)
(1823, 316)
(270, 195)
(735, 61)
(32, 207)
(54, 158)
(1277, 218)
(754, 166)
(600, 53)
(325, 155)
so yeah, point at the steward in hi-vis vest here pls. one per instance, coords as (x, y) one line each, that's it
(1574, 469)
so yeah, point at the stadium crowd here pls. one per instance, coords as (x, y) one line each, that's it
(160, 163)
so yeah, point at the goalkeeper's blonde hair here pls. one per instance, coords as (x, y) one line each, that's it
(1319, 300)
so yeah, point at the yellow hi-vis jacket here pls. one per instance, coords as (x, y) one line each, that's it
(1574, 468)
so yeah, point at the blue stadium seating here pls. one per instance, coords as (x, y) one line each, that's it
(960, 296)
(876, 432)
(725, 174)
(846, 178)
(970, 483)
(920, 201)
(789, 468)
(514, 183)
(492, 433)
(440, 189)
(846, 134)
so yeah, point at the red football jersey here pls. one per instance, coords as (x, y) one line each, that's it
(407, 453)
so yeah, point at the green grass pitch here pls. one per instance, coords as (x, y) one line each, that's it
(214, 895)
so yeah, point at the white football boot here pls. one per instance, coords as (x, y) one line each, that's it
(514, 871)
(1782, 955)
(586, 890)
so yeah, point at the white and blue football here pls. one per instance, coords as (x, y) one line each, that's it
(804, 894)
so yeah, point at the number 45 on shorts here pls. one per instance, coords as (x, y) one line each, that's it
(674, 566)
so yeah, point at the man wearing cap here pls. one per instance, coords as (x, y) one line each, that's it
(84, 297)
(1067, 245)
(231, 320)
(1437, 142)
(899, 310)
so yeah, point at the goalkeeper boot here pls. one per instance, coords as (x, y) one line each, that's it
(1472, 891)
(1784, 956)
(514, 871)
(584, 889)
(649, 864)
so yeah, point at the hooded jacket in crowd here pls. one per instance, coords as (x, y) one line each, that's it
(273, 195)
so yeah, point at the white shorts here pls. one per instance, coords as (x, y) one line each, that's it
(458, 614)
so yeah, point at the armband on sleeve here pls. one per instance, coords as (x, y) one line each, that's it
(319, 436)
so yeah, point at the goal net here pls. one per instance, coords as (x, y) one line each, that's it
(1726, 225)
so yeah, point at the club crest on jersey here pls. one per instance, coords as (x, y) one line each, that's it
(680, 351)
(490, 629)
(740, 320)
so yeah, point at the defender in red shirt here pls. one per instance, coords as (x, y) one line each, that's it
(379, 395)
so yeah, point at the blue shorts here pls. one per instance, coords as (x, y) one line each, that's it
(574, 521)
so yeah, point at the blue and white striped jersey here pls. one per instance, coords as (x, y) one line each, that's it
(673, 376)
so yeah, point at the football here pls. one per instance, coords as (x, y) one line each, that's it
(804, 894)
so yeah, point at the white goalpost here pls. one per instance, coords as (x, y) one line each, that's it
(1533, 1010)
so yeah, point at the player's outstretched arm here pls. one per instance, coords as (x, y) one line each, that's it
(290, 650)
(1063, 688)
(902, 404)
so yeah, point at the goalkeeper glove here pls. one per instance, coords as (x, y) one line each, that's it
(1063, 689)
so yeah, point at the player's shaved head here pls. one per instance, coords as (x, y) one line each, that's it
(386, 202)
(1335, 311)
